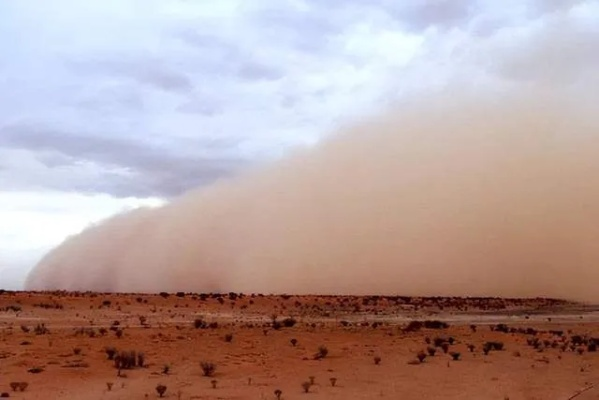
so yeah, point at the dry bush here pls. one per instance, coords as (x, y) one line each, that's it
(208, 368)
(306, 386)
(322, 352)
(377, 360)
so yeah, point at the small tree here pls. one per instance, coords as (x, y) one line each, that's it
(161, 389)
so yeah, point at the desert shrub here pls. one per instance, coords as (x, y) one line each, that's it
(110, 352)
(164, 295)
(306, 386)
(125, 360)
(377, 360)
(293, 342)
(592, 347)
(473, 328)
(109, 385)
(455, 355)
(413, 326)
(14, 386)
(214, 382)
(76, 351)
(434, 324)
(180, 294)
(160, 389)
(445, 347)
(322, 352)
(278, 393)
(141, 359)
(25, 329)
(166, 369)
(229, 337)
(35, 370)
(40, 329)
(431, 351)
(199, 323)
(494, 345)
(312, 380)
(471, 348)
(289, 322)
(208, 368)
(333, 381)
(421, 356)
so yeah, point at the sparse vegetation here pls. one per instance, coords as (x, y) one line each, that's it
(377, 360)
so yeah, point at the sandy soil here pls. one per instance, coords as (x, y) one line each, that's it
(56, 342)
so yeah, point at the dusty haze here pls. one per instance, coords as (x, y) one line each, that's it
(465, 194)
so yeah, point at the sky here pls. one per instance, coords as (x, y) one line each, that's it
(107, 105)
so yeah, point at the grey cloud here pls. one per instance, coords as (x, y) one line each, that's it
(148, 170)
(145, 70)
(562, 51)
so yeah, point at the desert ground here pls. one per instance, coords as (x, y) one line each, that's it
(65, 345)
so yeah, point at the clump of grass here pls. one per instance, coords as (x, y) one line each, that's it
(208, 368)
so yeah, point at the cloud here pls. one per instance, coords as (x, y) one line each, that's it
(153, 98)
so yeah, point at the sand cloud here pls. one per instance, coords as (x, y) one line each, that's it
(476, 194)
